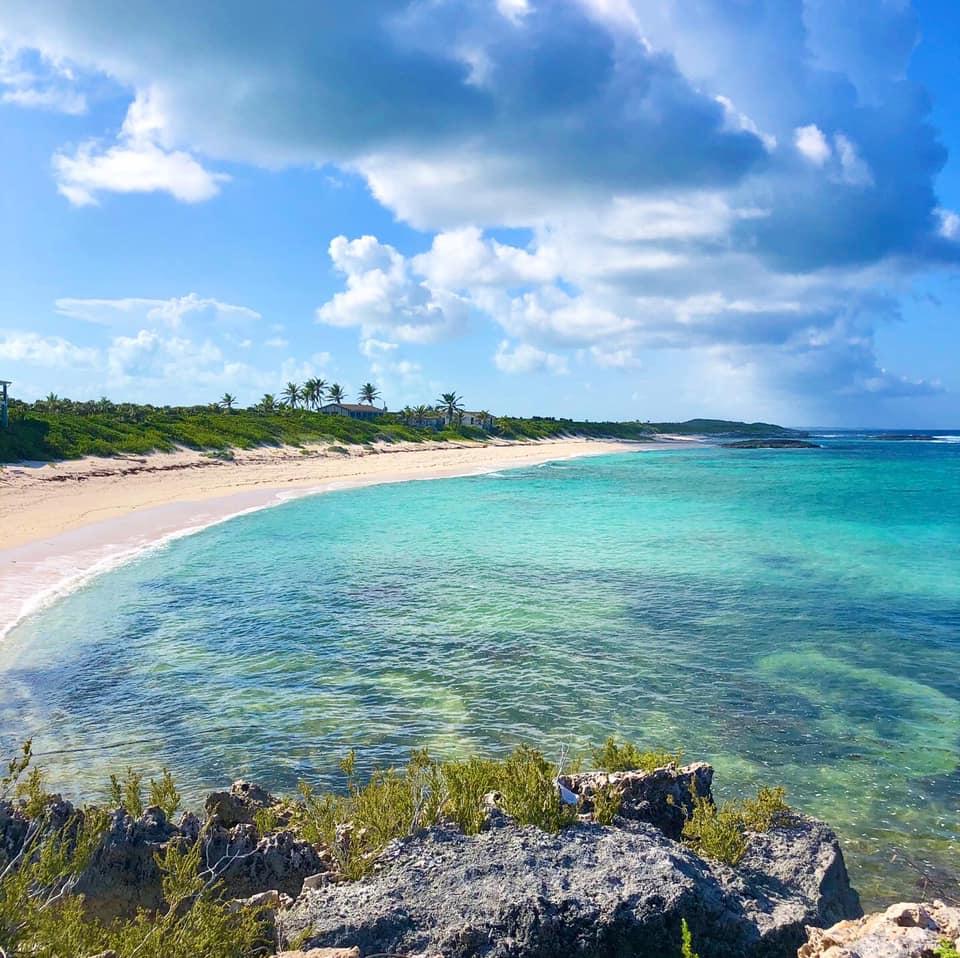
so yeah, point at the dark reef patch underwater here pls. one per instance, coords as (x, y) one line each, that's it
(795, 618)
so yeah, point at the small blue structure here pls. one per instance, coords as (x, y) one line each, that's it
(4, 403)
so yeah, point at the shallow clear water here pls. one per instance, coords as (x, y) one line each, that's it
(791, 616)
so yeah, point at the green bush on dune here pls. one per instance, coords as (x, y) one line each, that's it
(58, 428)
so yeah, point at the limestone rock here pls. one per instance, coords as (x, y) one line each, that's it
(588, 891)
(238, 805)
(662, 797)
(906, 930)
(123, 874)
(323, 953)
(279, 861)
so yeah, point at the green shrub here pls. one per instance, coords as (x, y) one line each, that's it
(164, 794)
(627, 757)
(526, 782)
(396, 802)
(41, 918)
(606, 804)
(715, 831)
(719, 832)
(768, 810)
(946, 949)
(686, 941)
(127, 793)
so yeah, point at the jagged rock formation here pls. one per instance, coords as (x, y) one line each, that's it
(663, 797)
(123, 874)
(508, 892)
(906, 930)
(514, 892)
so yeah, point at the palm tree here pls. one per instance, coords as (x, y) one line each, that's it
(321, 388)
(292, 395)
(420, 414)
(313, 390)
(452, 405)
(227, 402)
(268, 404)
(336, 393)
(52, 401)
(368, 393)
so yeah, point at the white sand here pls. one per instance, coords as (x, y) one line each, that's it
(62, 523)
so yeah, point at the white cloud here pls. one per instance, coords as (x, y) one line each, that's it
(852, 166)
(949, 224)
(150, 354)
(463, 258)
(51, 351)
(162, 312)
(658, 210)
(383, 295)
(811, 142)
(524, 358)
(44, 84)
(136, 163)
(277, 342)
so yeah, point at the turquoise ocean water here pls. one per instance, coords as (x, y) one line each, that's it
(791, 616)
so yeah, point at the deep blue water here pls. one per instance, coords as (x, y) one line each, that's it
(791, 616)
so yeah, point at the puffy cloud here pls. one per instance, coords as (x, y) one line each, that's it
(151, 355)
(698, 175)
(136, 163)
(52, 351)
(811, 142)
(463, 258)
(524, 358)
(383, 295)
(544, 88)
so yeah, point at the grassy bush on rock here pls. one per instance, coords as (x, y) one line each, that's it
(42, 917)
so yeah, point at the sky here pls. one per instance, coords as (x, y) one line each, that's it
(603, 209)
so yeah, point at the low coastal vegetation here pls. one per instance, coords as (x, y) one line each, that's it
(42, 914)
(57, 428)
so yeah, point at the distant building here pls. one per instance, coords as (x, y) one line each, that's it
(432, 420)
(353, 410)
(4, 404)
(478, 420)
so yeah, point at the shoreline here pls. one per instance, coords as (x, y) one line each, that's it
(63, 524)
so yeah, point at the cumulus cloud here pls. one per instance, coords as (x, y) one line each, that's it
(722, 179)
(136, 163)
(383, 295)
(814, 146)
(52, 351)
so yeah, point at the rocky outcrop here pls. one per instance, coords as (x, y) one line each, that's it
(906, 930)
(663, 797)
(123, 874)
(238, 806)
(513, 892)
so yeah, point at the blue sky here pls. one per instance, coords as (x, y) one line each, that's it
(594, 208)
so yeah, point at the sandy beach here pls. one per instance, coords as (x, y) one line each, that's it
(61, 523)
